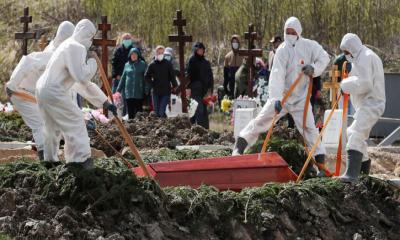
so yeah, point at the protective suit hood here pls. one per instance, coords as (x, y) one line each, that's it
(351, 43)
(293, 22)
(64, 31)
(84, 32)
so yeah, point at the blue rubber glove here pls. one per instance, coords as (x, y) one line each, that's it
(91, 125)
(308, 70)
(278, 106)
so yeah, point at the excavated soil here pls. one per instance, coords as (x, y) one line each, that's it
(13, 128)
(150, 132)
(108, 202)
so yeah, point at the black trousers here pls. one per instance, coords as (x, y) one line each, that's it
(201, 115)
(133, 106)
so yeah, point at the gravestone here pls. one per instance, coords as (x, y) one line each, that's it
(392, 110)
(242, 117)
(332, 132)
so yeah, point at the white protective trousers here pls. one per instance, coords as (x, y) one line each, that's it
(30, 114)
(263, 122)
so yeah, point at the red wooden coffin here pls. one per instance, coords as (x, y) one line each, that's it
(234, 172)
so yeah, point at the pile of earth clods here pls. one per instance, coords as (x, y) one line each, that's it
(150, 132)
(13, 128)
(108, 202)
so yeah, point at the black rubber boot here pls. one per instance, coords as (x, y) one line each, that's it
(240, 146)
(320, 159)
(354, 159)
(88, 164)
(51, 164)
(365, 167)
(40, 155)
(310, 171)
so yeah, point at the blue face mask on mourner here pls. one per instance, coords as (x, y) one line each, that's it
(168, 57)
(127, 43)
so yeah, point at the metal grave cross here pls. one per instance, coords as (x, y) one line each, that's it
(25, 35)
(181, 39)
(334, 85)
(251, 53)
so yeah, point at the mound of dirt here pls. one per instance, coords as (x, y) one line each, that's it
(108, 202)
(150, 132)
(13, 128)
(385, 161)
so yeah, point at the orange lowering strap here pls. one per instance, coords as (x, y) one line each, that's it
(274, 119)
(318, 140)
(25, 96)
(344, 116)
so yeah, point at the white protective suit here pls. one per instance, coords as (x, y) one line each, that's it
(65, 30)
(286, 67)
(69, 68)
(24, 78)
(366, 86)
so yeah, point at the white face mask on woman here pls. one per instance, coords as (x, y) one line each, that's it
(235, 45)
(160, 57)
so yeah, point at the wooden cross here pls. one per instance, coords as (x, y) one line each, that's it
(334, 85)
(181, 39)
(25, 35)
(104, 43)
(251, 53)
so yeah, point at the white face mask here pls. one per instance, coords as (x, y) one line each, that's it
(291, 39)
(349, 58)
(87, 43)
(160, 57)
(235, 45)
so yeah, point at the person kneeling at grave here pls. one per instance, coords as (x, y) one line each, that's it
(295, 56)
(69, 68)
(366, 86)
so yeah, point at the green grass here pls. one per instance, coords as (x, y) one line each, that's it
(4, 237)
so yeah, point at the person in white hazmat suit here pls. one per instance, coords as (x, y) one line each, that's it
(366, 86)
(24, 78)
(295, 55)
(69, 68)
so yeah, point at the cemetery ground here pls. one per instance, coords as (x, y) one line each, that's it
(109, 202)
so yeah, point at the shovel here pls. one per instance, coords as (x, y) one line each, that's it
(118, 121)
